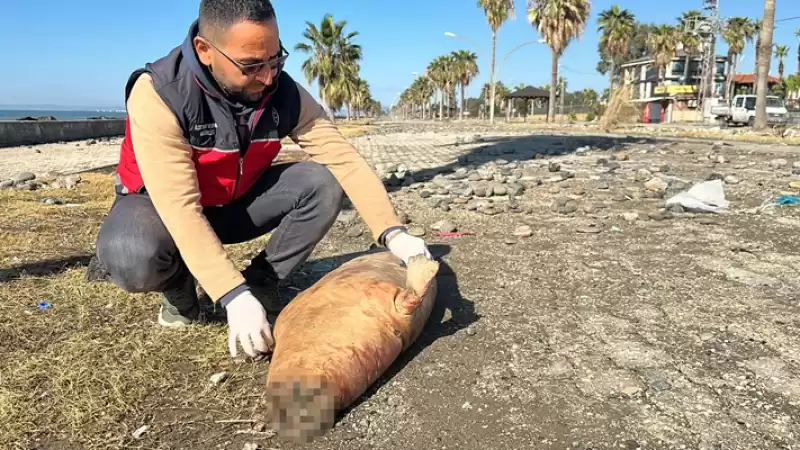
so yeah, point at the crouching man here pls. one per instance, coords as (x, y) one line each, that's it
(195, 172)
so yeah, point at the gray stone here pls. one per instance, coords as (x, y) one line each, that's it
(515, 189)
(642, 175)
(554, 166)
(416, 230)
(445, 226)
(523, 231)
(730, 179)
(354, 231)
(23, 177)
(656, 185)
(778, 163)
(499, 190)
(5, 184)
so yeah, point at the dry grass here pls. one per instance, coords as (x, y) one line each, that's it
(94, 367)
(619, 109)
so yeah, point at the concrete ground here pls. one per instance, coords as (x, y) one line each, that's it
(576, 313)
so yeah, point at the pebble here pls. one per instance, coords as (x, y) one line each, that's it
(630, 390)
(5, 184)
(656, 185)
(52, 201)
(403, 218)
(515, 189)
(631, 216)
(660, 385)
(417, 231)
(794, 184)
(23, 177)
(354, 231)
(554, 166)
(508, 240)
(659, 215)
(578, 190)
(523, 231)
(642, 175)
(445, 226)
(218, 378)
(730, 179)
(591, 229)
(140, 432)
(622, 156)
(250, 446)
(499, 190)
(778, 163)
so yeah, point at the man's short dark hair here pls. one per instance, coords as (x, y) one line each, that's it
(216, 16)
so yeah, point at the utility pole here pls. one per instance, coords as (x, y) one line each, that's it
(707, 29)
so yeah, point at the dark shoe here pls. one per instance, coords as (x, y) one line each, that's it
(213, 312)
(180, 306)
(264, 286)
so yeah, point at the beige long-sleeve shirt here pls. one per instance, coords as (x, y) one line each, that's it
(165, 161)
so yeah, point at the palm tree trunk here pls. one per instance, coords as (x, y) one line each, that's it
(462, 101)
(764, 57)
(441, 104)
(551, 107)
(491, 105)
(611, 78)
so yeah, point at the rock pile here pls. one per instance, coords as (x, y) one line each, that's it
(27, 181)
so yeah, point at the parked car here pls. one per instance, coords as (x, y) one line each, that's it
(743, 111)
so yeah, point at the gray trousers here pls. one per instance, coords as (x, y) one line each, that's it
(299, 202)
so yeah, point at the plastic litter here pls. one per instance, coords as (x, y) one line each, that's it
(787, 200)
(44, 305)
(707, 196)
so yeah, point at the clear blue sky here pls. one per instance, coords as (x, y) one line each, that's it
(79, 53)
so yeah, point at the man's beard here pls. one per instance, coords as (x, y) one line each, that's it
(237, 94)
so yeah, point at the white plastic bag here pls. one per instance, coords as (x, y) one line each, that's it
(708, 196)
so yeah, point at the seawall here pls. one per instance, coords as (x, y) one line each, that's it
(31, 132)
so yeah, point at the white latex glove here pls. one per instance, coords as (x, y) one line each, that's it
(404, 246)
(248, 324)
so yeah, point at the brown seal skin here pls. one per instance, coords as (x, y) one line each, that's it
(337, 337)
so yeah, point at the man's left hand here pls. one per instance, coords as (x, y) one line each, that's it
(404, 246)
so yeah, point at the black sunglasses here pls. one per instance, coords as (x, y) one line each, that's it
(275, 63)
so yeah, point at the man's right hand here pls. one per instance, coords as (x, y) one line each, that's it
(248, 324)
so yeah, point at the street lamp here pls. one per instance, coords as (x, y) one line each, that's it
(453, 35)
(497, 69)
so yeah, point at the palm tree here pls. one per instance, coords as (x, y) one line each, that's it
(465, 69)
(497, 12)
(764, 59)
(781, 52)
(333, 60)
(617, 27)
(663, 44)
(737, 32)
(792, 84)
(558, 22)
